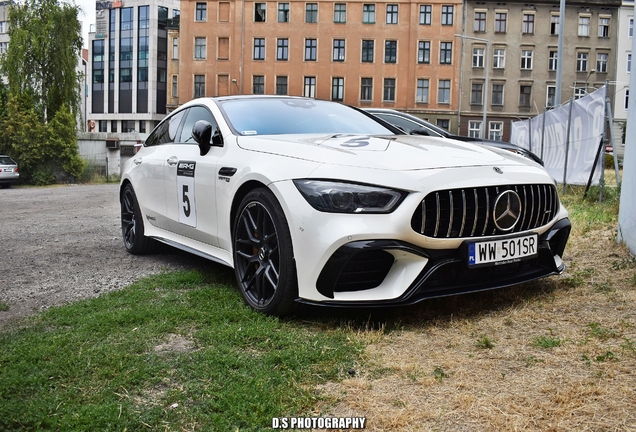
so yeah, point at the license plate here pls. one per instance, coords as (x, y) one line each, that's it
(8, 170)
(503, 251)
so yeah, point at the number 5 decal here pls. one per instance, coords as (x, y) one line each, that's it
(185, 193)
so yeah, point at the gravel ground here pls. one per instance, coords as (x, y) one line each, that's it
(64, 243)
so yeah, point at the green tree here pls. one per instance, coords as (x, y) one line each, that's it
(42, 56)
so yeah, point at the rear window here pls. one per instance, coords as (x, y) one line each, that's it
(6, 160)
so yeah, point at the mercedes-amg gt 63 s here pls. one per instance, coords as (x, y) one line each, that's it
(316, 202)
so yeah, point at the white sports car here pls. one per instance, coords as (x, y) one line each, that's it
(316, 202)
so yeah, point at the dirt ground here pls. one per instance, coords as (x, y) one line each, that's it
(63, 243)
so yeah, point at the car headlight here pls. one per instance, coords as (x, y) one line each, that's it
(341, 197)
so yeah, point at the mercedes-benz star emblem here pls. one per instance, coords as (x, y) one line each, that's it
(507, 210)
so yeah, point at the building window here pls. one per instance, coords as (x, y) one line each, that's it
(630, 28)
(551, 96)
(259, 12)
(579, 92)
(310, 49)
(201, 13)
(424, 52)
(584, 25)
(478, 57)
(422, 91)
(199, 48)
(524, 95)
(554, 24)
(447, 15)
(223, 48)
(528, 24)
(4, 46)
(445, 52)
(281, 85)
(340, 13)
(495, 131)
(501, 19)
(199, 86)
(526, 59)
(259, 48)
(283, 12)
(3, 27)
(603, 27)
(367, 51)
(142, 126)
(499, 58)
(552, 61)
(282, 49)
(310, 87)
(258, 84)
(443, 92)
(601, 62)
(389, 90)
(337, 89)
(480, 22)
(443, 123)
(392, 14)
(338, 50)
(366, 89)
(390, 51)
(497, 94)
(311, 13)
(581, 62)
(426, 12)
(368, 14)
(629, 63)
(626, 99)
(175, 88)
(113, 125)
(103, 126)
(175, 48)
(474, 129)
(476, 94)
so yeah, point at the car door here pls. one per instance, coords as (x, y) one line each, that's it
(148, 170)
(191, 181)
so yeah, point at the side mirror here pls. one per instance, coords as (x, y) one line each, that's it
(420, 131)
(203, 135)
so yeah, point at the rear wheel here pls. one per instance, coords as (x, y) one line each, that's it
(263, 254)
(132, 225)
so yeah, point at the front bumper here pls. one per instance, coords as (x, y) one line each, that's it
(361, 266)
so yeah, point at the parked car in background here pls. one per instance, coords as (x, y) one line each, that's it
(317, 202)
(8, 171)
(414, 125)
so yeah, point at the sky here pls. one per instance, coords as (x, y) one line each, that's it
(87, 17)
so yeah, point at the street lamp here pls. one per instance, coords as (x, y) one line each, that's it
(486, 79)
(591, 72)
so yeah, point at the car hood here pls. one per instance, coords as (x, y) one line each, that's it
(392, 152)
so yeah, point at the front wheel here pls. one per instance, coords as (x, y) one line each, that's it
(132, 225)
(263, 254)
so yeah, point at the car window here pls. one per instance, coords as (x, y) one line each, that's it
(406, 124)
(4, 160)
(195, 114)
(167, 130)
(272, 116)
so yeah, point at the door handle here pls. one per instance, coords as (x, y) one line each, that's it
(137, 161)
(173, 160)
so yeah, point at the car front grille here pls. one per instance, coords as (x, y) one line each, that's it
(459, 213)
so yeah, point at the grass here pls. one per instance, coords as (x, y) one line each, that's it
(180, 351)
(175, 351)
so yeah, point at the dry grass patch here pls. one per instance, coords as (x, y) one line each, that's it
(552, 355)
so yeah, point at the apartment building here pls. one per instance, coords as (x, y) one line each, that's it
(520, 40)
(128, 64)
(398, 54)
(623, 70)
(4, 26)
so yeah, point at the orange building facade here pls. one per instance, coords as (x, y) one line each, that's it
(402, 54)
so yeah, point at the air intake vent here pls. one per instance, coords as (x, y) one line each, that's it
(459, 213)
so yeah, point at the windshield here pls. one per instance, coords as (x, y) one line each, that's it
(276, 116)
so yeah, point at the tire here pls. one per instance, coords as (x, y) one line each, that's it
(263, 254)
(132, 224)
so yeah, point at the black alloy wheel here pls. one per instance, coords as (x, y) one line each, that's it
(132, 227)
(263, 255)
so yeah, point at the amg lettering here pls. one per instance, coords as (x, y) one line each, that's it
(186, 165)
